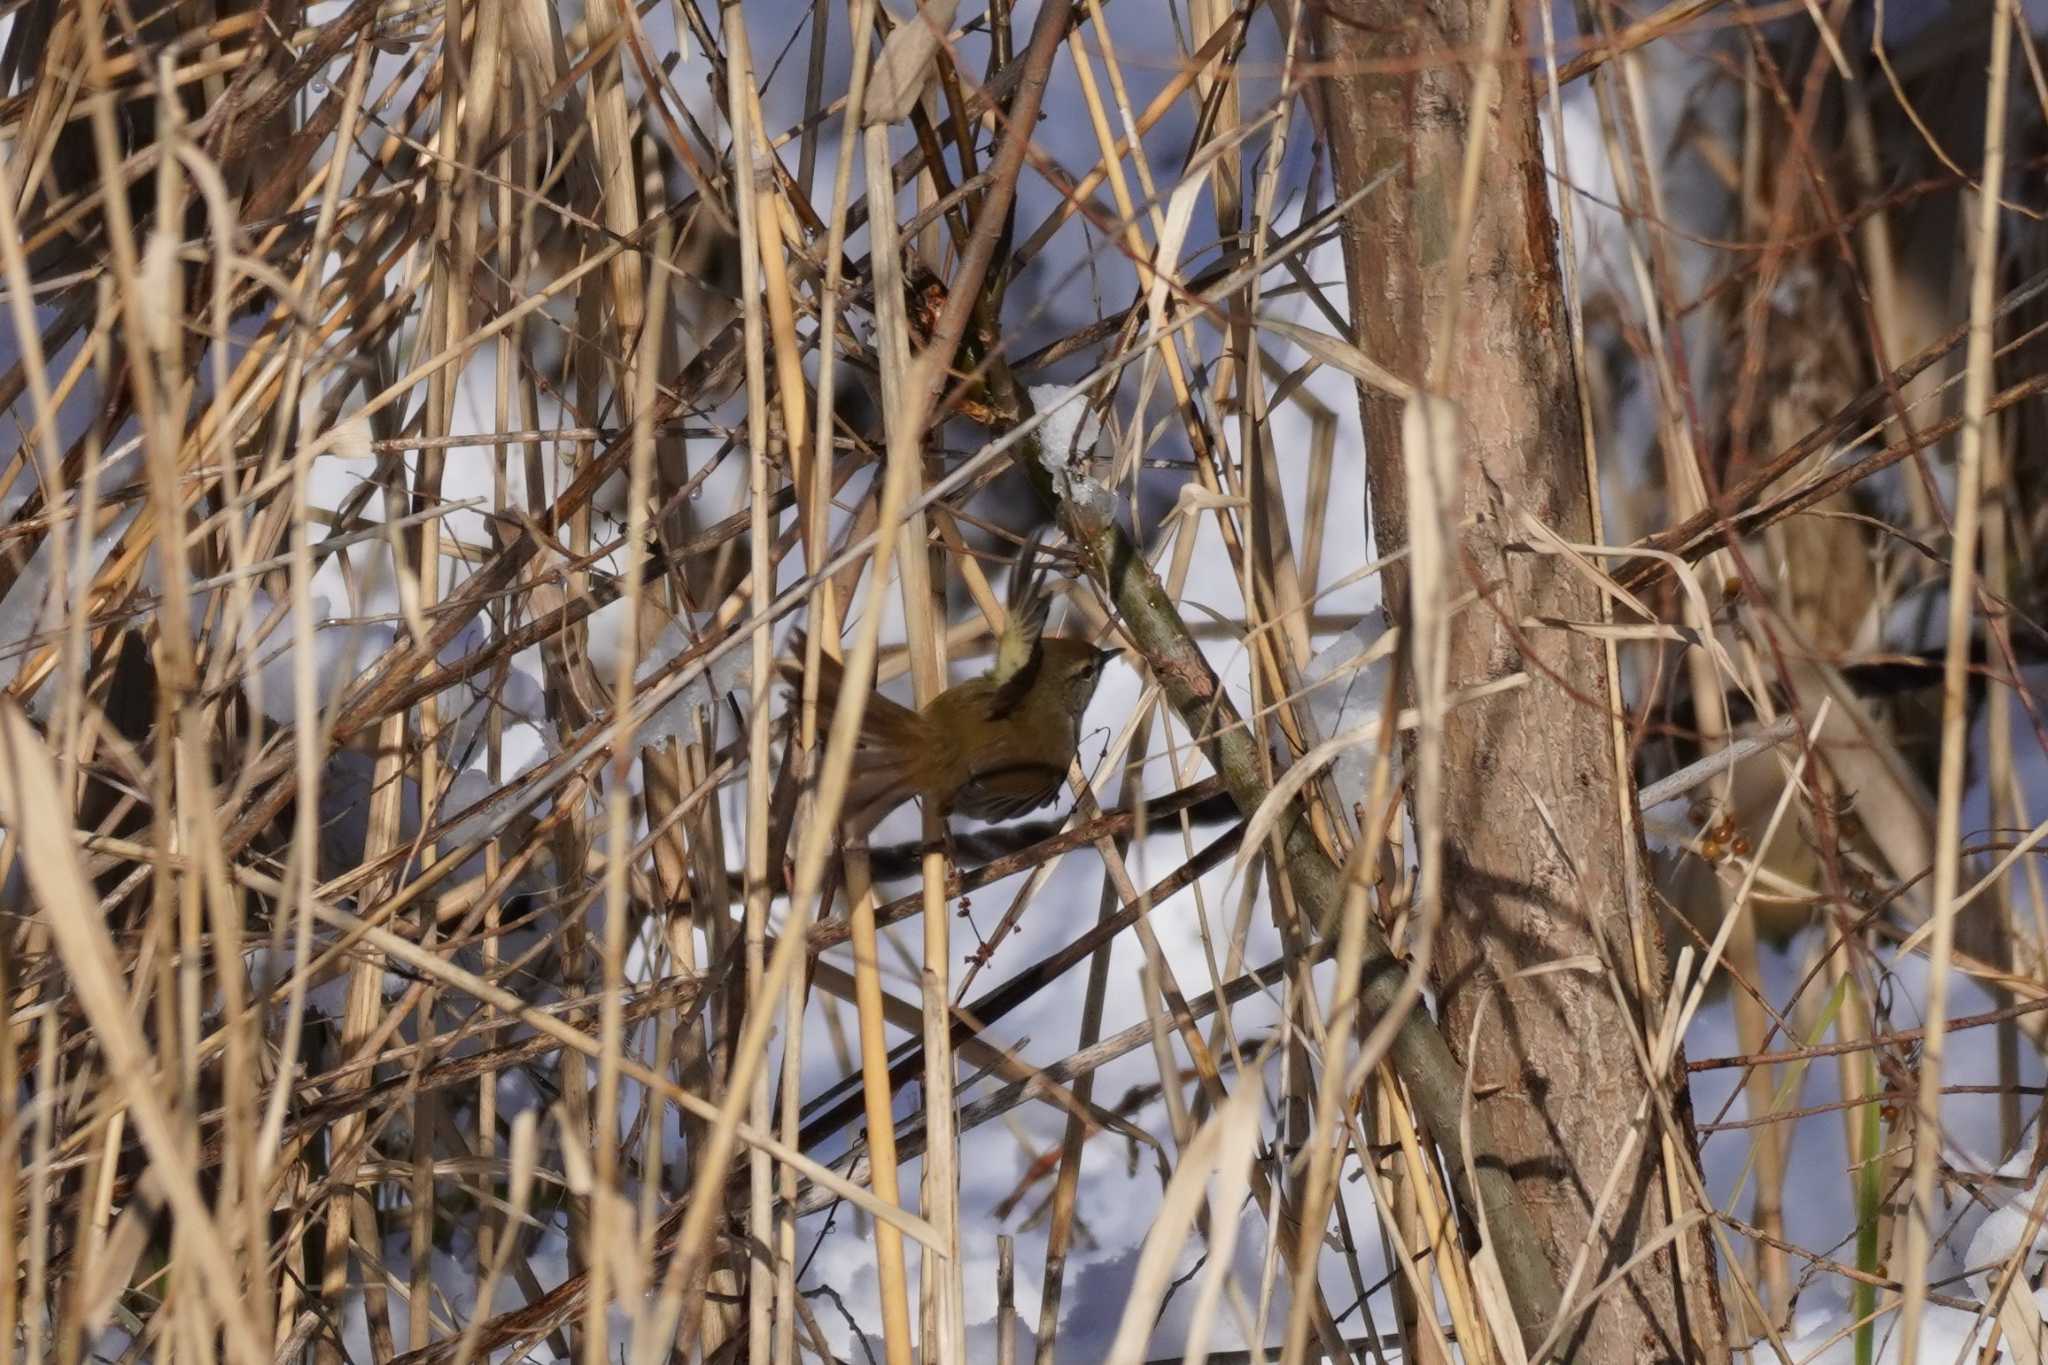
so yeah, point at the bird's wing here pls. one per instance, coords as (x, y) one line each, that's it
(1018, 655)
(1005, 791)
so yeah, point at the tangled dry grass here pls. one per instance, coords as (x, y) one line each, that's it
(420, 939)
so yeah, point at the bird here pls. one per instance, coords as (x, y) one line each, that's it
(991, 748)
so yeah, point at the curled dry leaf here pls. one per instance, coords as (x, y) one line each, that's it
(900, 73)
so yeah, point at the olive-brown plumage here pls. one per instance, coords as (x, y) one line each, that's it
(993, 747)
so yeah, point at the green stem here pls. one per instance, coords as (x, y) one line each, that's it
(1869, 1204)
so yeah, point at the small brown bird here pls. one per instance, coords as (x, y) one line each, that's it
(993, 747)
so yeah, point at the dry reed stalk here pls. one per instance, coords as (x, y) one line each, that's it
(1962, 598)
(552, 204)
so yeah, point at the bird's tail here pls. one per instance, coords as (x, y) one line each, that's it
(892, 736)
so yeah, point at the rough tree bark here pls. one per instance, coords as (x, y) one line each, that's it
(1537, 866)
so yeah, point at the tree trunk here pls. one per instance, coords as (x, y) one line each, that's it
(1538, 866)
